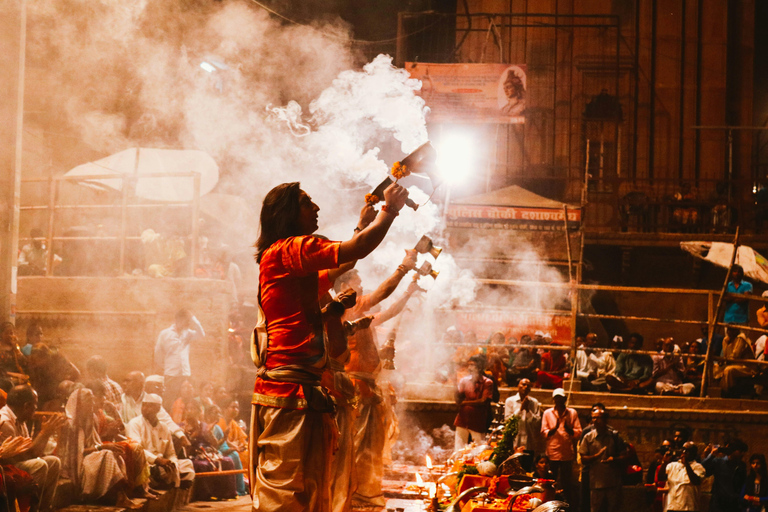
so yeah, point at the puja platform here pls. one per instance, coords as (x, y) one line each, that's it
(644, 421)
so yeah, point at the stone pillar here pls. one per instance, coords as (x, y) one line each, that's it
(12, 34)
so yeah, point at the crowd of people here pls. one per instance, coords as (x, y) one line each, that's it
(117, 443)
(553, 445)
(617, 366)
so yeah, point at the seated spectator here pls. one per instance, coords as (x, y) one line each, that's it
(186, 395)
(206, 458)
(96, 369)
(237, 438)
(554, 365)
(754, 493)
(593, 364)
(34, 336)
(213, 419)
(33, 257)
(154, 385)
(132, 396)
(615, 346)
(59, 402)
(11, 358)
(205, 398)
(221, 397)
(694, 366)
(44, 469)
(19, 488)
(96, 468)
(5, 386)
(668, 372)
(497, 355)
(736, 347)
(633, 371)
(47, 368)
(523, 362)
(166, 469)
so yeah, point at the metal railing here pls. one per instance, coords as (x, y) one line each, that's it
(125, 204)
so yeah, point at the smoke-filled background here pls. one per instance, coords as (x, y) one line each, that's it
(285, 102)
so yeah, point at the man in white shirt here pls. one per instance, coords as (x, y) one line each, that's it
(683, 479)
(528, 412)
(172, 352)
(21, 406)
(132, 396)
(165, 468)
(593, 364)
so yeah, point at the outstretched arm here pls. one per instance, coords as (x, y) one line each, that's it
(362, 244)
(367, 215)
(398, 305)
(386, 288)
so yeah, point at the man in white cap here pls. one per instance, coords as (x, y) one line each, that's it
(165, 468)
(155, 384)
(560, 428)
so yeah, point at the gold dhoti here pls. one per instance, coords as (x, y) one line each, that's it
(290, 463)
(370, 437)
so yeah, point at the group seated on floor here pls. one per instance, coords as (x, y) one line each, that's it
(117, 445)
(615, 366)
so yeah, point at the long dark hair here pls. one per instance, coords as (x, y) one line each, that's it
(279, 216)
(763, 470)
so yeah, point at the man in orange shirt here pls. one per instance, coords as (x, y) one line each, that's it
(291, 420)
(363, 366)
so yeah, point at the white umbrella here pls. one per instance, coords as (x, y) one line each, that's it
(720, 253)
(142, 161)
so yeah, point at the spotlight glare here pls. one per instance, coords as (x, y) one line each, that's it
(208, 67)
(455, 158)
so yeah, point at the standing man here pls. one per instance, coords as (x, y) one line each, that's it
(528, 412)
(364, 366)
(44, 469)
(730, 473)
(292, 423)
(172, 353)
(474, 399)
(561, 428)
(737, 309)
(600, 450)
(683, 479)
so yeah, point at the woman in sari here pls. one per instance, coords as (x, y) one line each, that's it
(228, 448)
(206, 459)
(96, 468)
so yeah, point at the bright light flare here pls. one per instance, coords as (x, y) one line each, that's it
(429, 462)
(208, 67)
(419, 480)
(456, 157)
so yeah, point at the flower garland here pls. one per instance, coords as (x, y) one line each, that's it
(506, 446)
(400, 171)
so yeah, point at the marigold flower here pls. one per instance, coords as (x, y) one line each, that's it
(400, 171)
(372, 199)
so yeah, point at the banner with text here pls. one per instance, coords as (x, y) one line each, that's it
(475, 93)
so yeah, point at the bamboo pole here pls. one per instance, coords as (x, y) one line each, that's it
(713, 318)
(596, 287)
(49, 235)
